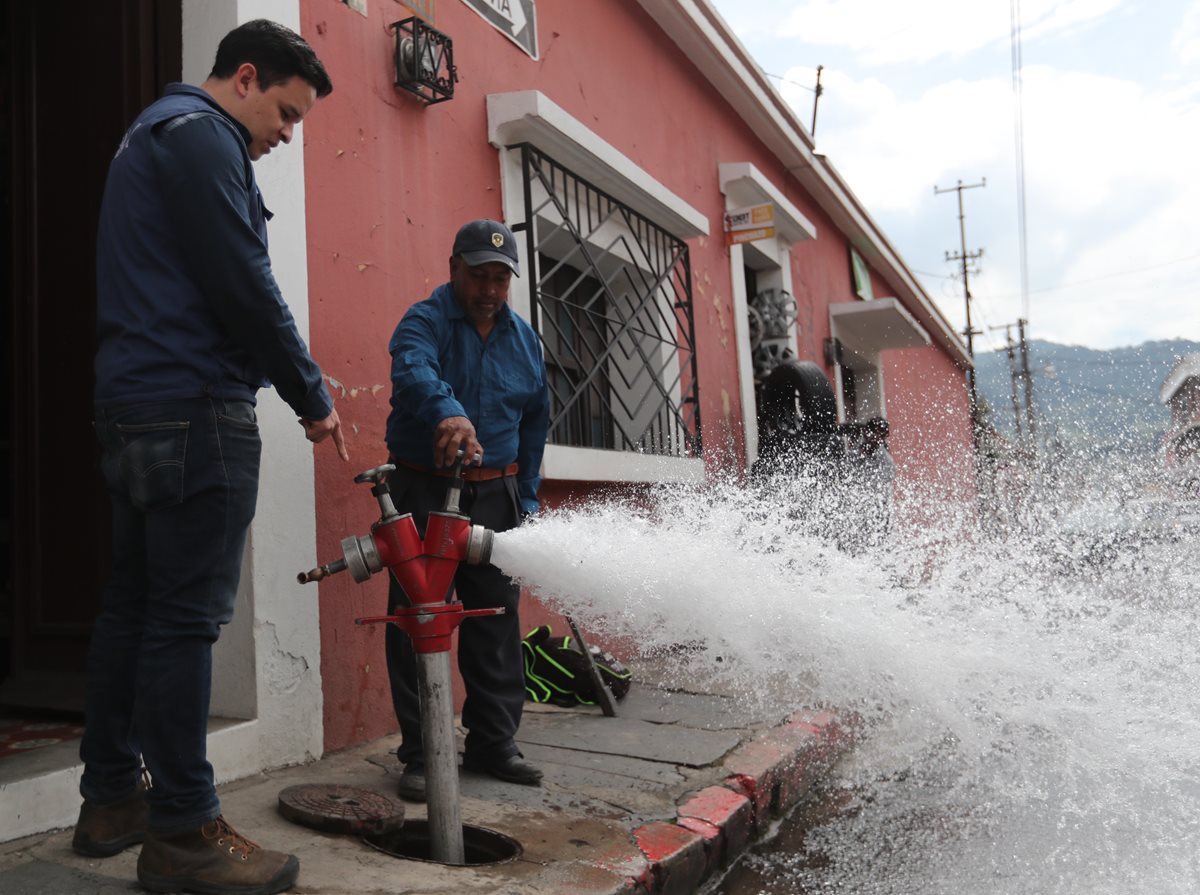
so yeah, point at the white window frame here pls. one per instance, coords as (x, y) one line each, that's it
(743, 185)
(529, 116)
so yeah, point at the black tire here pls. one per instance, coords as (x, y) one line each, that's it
(798, 395)
(797, 415)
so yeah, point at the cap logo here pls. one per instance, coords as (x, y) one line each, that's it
(497, 239)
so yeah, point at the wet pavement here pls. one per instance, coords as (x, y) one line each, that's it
(659, 799)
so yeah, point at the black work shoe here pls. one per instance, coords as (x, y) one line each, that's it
(214, 859)
(511, 768)
(412, 783)
(104, 830)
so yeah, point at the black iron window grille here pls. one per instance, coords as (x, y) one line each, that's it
(611, 299)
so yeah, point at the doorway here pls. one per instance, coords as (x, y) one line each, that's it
(70, 85)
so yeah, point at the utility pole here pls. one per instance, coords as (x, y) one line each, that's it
(1029, 415)
(966, 258)
(1013, 375)
(816, 99)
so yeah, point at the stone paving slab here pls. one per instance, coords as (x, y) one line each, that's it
(630, 736)
(703, 711)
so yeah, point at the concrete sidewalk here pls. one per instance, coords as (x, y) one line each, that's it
(657, 800)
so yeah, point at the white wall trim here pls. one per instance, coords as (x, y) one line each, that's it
(593, 465)
(743, 184)
(745, 354)
(529, 116)
(267, 667)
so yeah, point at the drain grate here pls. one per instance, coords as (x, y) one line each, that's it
(334, 808)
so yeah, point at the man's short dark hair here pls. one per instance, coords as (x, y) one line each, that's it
(278, 53)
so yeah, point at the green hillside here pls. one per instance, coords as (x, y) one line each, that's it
(1095, 402)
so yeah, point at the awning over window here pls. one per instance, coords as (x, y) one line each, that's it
(743, 185)
(869, 326)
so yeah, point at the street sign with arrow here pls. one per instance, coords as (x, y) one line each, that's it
(515, 19)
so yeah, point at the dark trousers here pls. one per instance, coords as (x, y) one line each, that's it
(183, 480)
(489, 648)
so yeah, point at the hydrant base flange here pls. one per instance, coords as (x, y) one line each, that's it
(430, 626)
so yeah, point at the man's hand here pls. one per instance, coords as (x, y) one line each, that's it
(452, 434)
(317, 431)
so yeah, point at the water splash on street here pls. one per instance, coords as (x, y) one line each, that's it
(1031, 696)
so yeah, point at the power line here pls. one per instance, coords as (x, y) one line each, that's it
(1071, 285)
(1102, 277)
(1019, 139)
(790, 81)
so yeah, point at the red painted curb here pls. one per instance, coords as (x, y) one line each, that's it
(678, 859)
(724, 818)
(767, 777)
(775, 771)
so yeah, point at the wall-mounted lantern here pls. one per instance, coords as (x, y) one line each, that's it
(424, 61)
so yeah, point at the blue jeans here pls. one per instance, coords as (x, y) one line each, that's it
(183, 480)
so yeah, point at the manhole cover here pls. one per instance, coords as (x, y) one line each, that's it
(334, 808)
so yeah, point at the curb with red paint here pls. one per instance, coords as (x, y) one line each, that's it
(768, 776)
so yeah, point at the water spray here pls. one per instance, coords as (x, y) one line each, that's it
(424, 568)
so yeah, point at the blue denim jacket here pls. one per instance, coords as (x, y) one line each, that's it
(186, 303)
(441, 368)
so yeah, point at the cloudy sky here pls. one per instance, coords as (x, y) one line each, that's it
(921, 95)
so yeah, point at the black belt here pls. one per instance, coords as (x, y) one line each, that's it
(470, 473)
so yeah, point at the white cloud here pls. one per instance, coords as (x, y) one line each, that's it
(895, 150)
(1186, 41)
(1103, 159)
(884, 31)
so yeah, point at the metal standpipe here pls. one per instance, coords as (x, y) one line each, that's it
(441, 761)
(425, 569)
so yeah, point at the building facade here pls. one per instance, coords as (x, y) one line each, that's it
(616, 139)
(1180, 391)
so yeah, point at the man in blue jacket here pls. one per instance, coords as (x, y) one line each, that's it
(190, 324)
(468, 375)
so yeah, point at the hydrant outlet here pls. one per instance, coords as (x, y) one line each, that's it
(479, 545)
(362, 559)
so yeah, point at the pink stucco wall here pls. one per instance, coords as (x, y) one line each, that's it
(388, 181)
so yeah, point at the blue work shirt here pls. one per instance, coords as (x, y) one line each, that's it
(186, 304)
(442, 367)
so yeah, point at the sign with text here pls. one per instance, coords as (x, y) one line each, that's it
(749, 224)
(515, 19)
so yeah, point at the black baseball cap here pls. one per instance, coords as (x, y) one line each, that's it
(482, 241)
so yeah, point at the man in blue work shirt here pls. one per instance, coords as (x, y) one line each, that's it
(190, 324)
(468, 375)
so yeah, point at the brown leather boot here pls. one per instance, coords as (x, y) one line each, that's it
(104, 830)
(214, 860)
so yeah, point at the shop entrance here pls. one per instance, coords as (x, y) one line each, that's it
(72, 81)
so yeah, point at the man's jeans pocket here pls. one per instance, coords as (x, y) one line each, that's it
(152, 462)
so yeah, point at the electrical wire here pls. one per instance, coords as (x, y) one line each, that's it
(1019, 140)
(790, 81)
(1110, 276)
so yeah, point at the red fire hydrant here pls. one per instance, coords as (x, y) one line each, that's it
(424, 569)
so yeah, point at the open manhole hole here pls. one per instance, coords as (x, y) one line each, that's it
(480, 845)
